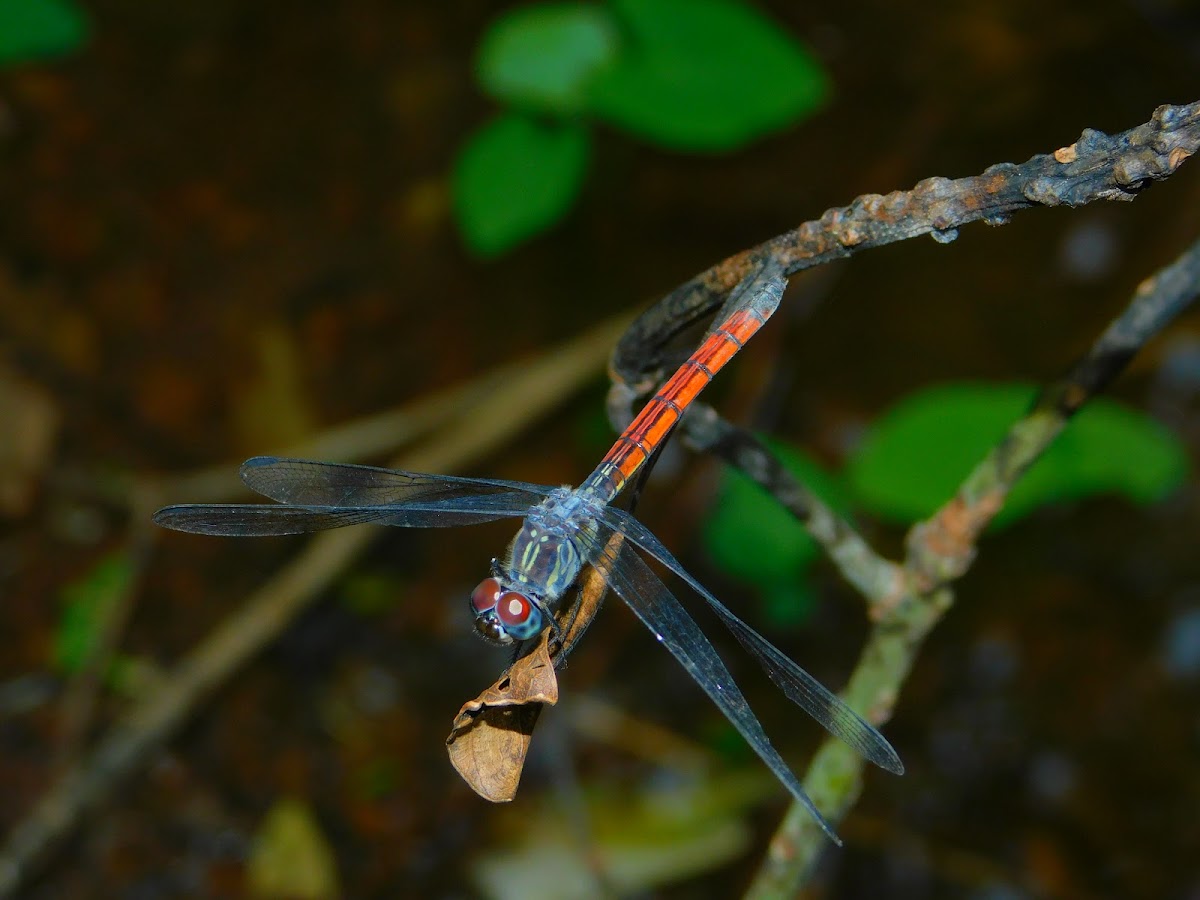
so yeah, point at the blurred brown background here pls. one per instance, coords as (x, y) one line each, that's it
(225, 226)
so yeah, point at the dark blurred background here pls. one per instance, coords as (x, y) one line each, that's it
(226, 226)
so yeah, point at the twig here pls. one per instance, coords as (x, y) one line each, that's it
(907, 601)
(874, 576)
(941, 548)
(484, 424)
(1095, 167)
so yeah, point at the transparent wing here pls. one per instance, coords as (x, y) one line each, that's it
(633, 581)
(303, 482)
(315, 496)
(801, 688)
(263, 519)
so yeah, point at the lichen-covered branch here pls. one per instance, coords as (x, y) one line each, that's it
(906, 601)
(941, 548)
(1096, 167)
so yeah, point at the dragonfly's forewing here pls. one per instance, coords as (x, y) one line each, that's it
(265, 519)
(252, 520)
(304, 482)
(633, 581)
(315, 496)
(801, 688)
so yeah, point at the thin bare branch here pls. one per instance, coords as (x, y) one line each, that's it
(907, 601)
(1096, 167)
(874, 576)
(941, 549)
(484, 424)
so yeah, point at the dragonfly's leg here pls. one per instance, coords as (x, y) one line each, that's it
(548, 618)
(573, 625)
(562, 625)
(566, 620)
(574, 619)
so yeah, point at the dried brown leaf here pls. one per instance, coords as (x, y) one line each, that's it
(491, 734)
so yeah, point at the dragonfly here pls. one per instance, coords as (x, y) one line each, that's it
(564, 529)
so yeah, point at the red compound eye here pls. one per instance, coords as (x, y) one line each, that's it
(513, 610)
(485, 597)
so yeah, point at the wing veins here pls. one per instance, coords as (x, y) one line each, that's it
(829, 710)
(634, 582)
(265, 519)
(304, 482)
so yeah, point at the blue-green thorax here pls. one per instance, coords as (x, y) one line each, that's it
(553, 544)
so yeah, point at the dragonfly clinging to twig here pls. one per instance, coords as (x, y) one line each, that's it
(564, 529)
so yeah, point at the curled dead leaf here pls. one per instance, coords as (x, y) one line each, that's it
(491, 734)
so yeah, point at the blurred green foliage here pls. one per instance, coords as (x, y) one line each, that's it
(920, 450)
(542, 57)
(515, 177)
(33, 30)
(755, 540)
(705, 76)
(912, 461)
(85, 603)
(688, 75)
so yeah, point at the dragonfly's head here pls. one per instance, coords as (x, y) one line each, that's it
(503, 615)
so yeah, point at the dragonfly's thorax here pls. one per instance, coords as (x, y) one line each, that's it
(545, 556)
(543, 560)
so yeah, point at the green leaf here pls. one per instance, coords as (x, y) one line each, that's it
(541, 57)
(750, 537)
(86, 603)
(706, 75)
(39, 29)
(515, 177)
(788, 604)
(918, 453)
